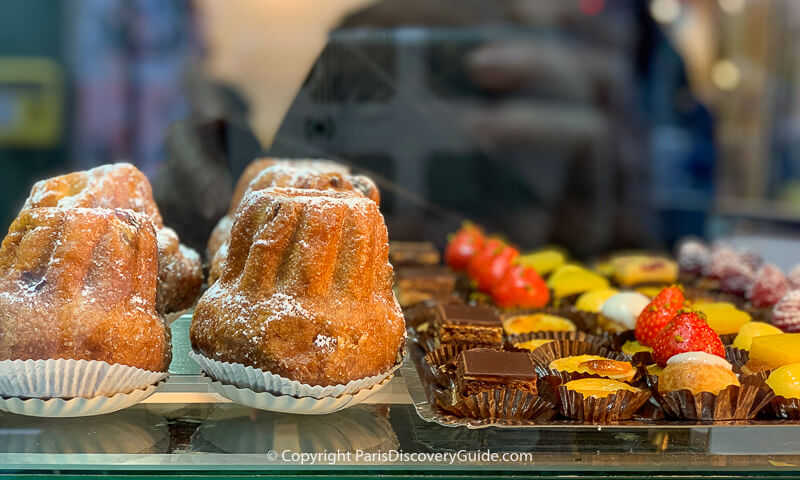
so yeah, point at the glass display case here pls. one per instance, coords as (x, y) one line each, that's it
(238, 233)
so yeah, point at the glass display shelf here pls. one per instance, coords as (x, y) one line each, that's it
(186, 429)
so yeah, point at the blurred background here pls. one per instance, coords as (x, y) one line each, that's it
(595, 124)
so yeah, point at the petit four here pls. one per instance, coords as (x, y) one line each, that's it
(595, 365)
(724, 318)
(413, 253)
(643, 269)
(571, 280)
(544, 261)
(593, 301)
(624, 308)
(785, 381)
(599, 387)
(537, 322)
(477, 325)
(751, 330)
(419, 283)
(697, 372)
(786, 314)
(483, 369)
(773, 351)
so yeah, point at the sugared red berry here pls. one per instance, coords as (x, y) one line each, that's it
(693, 256)
(794, 277)
(769, 286)
(786, 313)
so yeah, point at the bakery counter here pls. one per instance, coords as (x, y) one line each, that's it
(186, 429)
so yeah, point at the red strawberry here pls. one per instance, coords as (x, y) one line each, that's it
(521, 287)
(489, 274)
(491, 248)
(770, 286)
(687, 332)
(464, 245)
(658, 313)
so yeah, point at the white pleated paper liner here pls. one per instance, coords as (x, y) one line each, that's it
(76, 407)
(63, 378)
(299, 406)
(258, 380)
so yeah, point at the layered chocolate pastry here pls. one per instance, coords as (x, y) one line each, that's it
(413, 253)
(420, 283)
(477, 325)
(483, 369)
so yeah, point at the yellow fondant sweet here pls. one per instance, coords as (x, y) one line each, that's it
(785, 381)
(544, 261)
(537, 322)
(633, 270)
(595, 365)
(598, 387)
(724, 318)
(773, 351)
(572, 280)
(751, 330)
(533, 344)
(632, 347)
(593, 301)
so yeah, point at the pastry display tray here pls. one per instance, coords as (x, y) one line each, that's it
(420, 389)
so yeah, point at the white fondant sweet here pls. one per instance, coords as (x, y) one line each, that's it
(625, 307)
(699, 357)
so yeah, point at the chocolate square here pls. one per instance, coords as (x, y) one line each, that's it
(474, 325)
(483, 369)
(413, 253)
(416, 284)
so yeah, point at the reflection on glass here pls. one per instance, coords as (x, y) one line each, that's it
(235, 429)
(128, 431)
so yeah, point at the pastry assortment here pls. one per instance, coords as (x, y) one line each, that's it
(633, 336)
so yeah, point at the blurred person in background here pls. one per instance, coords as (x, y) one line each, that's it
(544, 120)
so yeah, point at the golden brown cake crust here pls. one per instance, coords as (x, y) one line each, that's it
(306, 291)
(120, 185)
(696, 377)
(259, 165)
(180, 273)
(123, 186)
(304, 174)
(80, 283)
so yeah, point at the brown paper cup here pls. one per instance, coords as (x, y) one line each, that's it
(619, 406)
(733, 403)
(511, 340)
(784, 408)
(443, 362)
(506, 404)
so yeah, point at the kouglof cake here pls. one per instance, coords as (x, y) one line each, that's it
(306, 290)
(303, 174)
(123, 186)
(78, 283)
